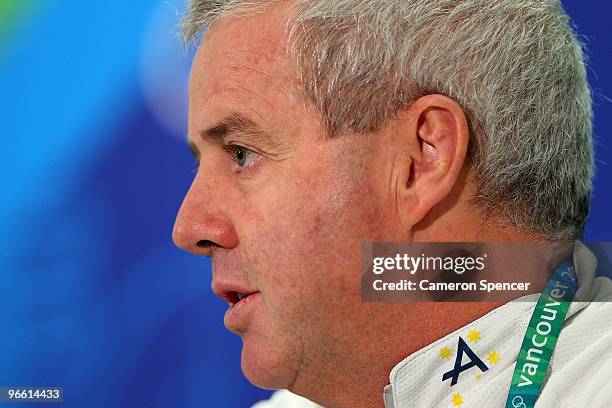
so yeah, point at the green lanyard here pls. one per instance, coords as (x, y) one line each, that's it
(541, 337)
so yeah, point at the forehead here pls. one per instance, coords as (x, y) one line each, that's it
(243, 65)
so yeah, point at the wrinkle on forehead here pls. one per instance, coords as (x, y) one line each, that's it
(256, 42)
(276, 75)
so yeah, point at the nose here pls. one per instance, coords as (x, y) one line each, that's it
(202, 225)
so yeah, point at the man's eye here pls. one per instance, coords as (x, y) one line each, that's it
(242, 156)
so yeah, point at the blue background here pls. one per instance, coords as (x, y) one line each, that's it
(93, 294)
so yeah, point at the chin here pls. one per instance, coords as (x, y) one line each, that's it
(268, 365)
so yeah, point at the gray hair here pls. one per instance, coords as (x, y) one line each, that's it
(515, 66)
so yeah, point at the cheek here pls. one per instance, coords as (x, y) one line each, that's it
(308, 243)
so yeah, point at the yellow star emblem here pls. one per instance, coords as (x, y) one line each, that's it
(493, 357)
(478, 377)
(474, 336)
(457, 400)
(445, 353)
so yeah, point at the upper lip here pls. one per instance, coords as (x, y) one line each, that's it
(231, 292)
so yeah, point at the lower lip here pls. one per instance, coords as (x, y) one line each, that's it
(237, 316)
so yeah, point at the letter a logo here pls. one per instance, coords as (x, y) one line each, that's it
(462, 347)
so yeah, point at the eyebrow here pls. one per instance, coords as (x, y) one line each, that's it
(235, 123)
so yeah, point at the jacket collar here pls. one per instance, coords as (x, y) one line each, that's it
(492, 342)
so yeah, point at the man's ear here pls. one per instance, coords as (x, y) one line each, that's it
(440, 133)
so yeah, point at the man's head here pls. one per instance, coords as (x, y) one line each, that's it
(320, 125)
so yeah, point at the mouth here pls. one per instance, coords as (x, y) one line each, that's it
(232, 292)
(242, 299)
(234, 298)
(240, 313)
